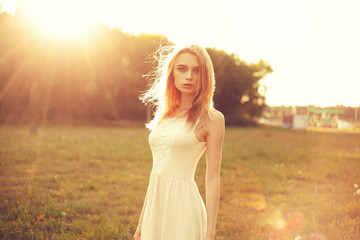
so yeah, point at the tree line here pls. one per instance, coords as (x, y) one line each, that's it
(100, 78)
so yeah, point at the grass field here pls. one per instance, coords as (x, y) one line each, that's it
(90, 182)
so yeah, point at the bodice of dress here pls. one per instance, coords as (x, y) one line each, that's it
(175, 149)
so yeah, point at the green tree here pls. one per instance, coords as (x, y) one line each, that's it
(237, 87)
(101, 78)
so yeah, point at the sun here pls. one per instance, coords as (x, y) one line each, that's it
(64, 19)
(8, 6)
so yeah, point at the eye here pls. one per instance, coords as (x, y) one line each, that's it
(181, 69)
(196, 70)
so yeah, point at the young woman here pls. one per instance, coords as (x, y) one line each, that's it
(185, 124)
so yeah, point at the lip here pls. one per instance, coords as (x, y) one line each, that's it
(188, 85)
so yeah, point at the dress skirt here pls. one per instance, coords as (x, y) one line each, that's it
(174, 210)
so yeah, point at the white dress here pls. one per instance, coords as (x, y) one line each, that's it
(174, 208)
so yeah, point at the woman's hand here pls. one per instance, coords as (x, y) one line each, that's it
(137, 235)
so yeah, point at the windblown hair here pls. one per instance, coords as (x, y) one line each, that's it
(166, 98)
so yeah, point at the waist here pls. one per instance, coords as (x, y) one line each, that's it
(156, 174)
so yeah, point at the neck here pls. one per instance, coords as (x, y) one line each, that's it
(186, 101)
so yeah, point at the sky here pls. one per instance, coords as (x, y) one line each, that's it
(312, 45)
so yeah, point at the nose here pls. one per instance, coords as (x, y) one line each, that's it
(189, 75)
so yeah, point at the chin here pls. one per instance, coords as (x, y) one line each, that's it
(187, 91)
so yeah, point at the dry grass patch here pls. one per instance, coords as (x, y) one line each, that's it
(90, 182)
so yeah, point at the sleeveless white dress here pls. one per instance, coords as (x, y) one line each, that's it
(174, 208)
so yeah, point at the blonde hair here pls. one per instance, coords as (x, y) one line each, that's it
(167, 98)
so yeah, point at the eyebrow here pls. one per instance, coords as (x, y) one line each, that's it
(183, 65)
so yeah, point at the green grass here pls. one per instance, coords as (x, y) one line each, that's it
(90, 182)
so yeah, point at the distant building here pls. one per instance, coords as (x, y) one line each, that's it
(302, 118)
(329, 117)
(295, 122)
(324, 117)
(300, 121)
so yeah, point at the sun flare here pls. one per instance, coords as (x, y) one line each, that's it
(60, 19)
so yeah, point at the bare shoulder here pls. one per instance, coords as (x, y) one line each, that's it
(216, 116)
(216, 121)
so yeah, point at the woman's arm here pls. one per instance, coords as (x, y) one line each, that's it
(214, 139)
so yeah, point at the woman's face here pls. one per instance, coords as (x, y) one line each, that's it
(186, 73)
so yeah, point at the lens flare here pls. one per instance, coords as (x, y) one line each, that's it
(280, 223)
(287, 228)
